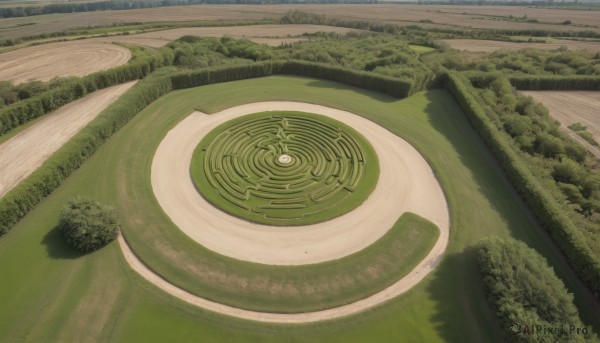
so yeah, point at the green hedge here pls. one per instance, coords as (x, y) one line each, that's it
(551, 82)
(525, 291)
(21, 112)
(24, 197)
(537, 82)
(550, 214)
(385, 84)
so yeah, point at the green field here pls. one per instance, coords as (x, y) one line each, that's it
(332, 168)
(50, 293)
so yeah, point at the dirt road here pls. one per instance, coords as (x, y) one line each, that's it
(26, 151)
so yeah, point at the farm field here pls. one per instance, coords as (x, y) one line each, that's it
(45, 62)
(480, 45)
(570, 107)
(268, 34)
(448, 305)
(458, 17)
(22, 153)
(83, 57)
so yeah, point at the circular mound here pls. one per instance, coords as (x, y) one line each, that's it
(285, 168)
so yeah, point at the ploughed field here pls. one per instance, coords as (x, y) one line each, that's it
(465, 17)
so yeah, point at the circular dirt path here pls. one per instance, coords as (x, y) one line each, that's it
(429, 203)
(406, 184)
(412, 181)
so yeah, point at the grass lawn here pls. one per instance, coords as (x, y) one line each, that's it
(420, 49)
(49, 293)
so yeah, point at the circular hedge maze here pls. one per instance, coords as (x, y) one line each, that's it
(285, 168)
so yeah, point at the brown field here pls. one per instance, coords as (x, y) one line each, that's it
(45, 62)
(460, 17)
(477, 45)
(267, 34)
(569, 107)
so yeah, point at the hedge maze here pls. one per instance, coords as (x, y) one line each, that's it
(284, 166)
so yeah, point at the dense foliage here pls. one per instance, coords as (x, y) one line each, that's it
(532, 183)
(88, 225)
(378, 54)
(560, 62)
(525, 291)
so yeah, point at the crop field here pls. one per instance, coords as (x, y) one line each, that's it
(459, 17)
(570, 107)
(363, 184)
(480, 45)
(45, 62)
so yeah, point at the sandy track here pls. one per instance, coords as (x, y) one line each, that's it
(479, 45)
(26, 151)
(406, 182)
(569, 107)
(45, 62)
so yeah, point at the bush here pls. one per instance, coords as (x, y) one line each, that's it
(525, 290)
(87, 224)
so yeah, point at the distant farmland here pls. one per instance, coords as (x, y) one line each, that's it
(457, 17)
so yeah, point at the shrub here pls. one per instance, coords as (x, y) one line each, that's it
(525, 290)
(567, 171)
(87, 224)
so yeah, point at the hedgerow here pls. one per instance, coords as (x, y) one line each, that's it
(549, 212)
(141, 64)
(20, 200)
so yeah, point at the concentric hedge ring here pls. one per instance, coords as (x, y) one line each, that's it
(285, 168)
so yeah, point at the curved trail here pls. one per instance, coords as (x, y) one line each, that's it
(406, 184)
(432, 194)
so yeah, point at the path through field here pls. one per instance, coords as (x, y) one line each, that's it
(26, 151)
(47, 61)
(569, 107)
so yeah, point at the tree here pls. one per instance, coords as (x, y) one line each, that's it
(87, 224)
